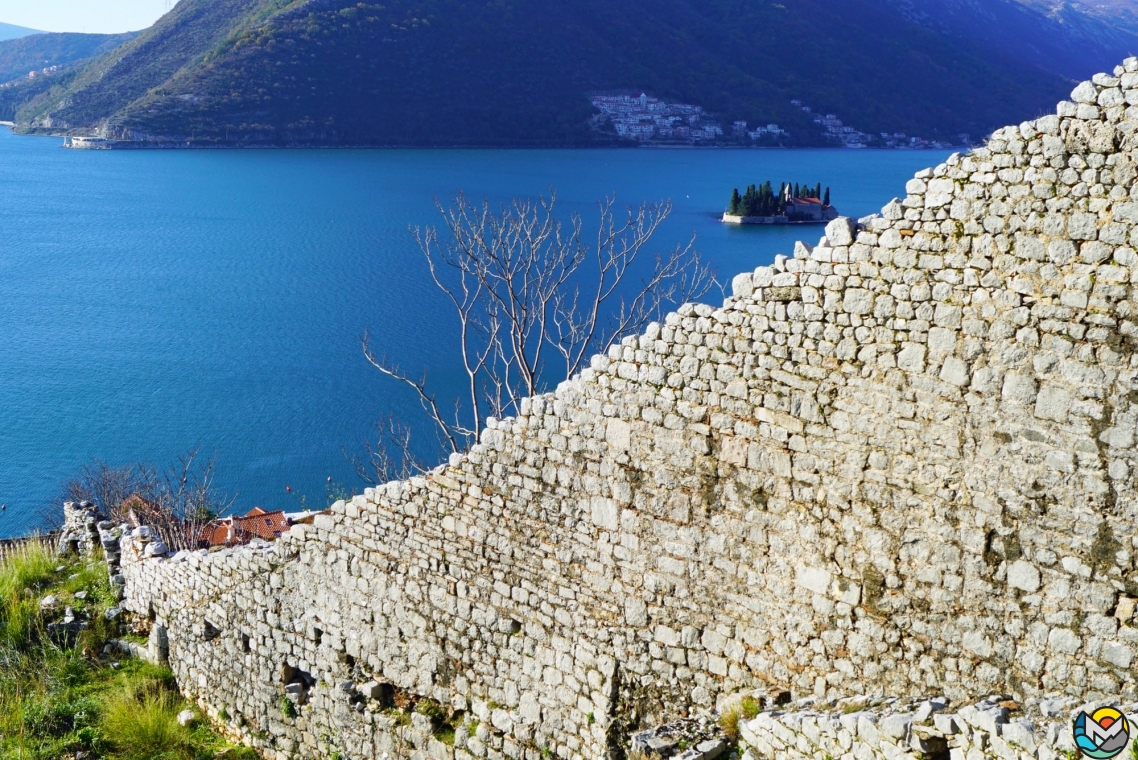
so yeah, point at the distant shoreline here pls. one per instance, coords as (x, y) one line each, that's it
(187, 145)
(321, 146)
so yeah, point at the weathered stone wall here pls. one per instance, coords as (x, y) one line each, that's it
(892, 729)
(901, 461)
(78, 534)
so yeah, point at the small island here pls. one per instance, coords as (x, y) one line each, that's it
(792, 204)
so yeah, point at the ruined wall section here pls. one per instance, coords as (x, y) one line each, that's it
(901, 461)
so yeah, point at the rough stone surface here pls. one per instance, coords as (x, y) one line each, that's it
(868, 728)
(906, 467)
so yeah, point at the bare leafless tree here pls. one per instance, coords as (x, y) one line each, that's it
(535, 297)
(391, 457)
(188, 500)
(177, 502)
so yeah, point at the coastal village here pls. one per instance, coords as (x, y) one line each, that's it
(848, 137)
(47, 71)
(650, 121)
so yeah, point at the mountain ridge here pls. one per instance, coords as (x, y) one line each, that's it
(12, 32)
(1069, 39)
(519, 72)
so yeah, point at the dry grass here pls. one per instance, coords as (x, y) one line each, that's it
(742, 710)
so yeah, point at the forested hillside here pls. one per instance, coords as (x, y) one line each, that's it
(519, 72)
(61, 54)
(39, 51)
(1070, 39)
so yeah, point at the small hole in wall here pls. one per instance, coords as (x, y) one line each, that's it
(318, 635)
(297, 683)
(210, 631)
(245, 643)
(937, 749)
(291, 675)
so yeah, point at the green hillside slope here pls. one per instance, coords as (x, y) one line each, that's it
(519, 72)
(61, 54)
(39, 51)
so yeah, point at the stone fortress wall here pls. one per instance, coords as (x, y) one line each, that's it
(901, 462)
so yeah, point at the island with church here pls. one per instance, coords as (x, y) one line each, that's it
(791, 204)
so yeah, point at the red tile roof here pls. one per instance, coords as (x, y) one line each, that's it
(258, 523)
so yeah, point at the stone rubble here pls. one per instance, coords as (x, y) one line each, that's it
(698, 738)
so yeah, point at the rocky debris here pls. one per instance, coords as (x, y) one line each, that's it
(187, 718)
(132, 649)
(49, 602)
(699, 738)
(66, 629)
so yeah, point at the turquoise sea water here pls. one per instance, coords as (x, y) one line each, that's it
(151, 302)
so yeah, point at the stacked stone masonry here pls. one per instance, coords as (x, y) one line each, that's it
(861, 728)
(901, 461)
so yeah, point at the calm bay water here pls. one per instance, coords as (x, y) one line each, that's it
(151, 302)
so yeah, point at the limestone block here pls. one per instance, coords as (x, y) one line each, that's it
(941, 340)
(896, 726)
(1053, 403)
(762, 277)
(813, 579)
(605, 513)
(1064, 641)
(1019, 388)
(741, 285)
(912, 357)
(618, 434)
(955, 372)
(1118, 654)
(946, 724)
(841, 232)
(1024, 576)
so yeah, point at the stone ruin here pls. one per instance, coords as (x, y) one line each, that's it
(891, 476)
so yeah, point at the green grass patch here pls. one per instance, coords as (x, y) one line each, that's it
(60, 696)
